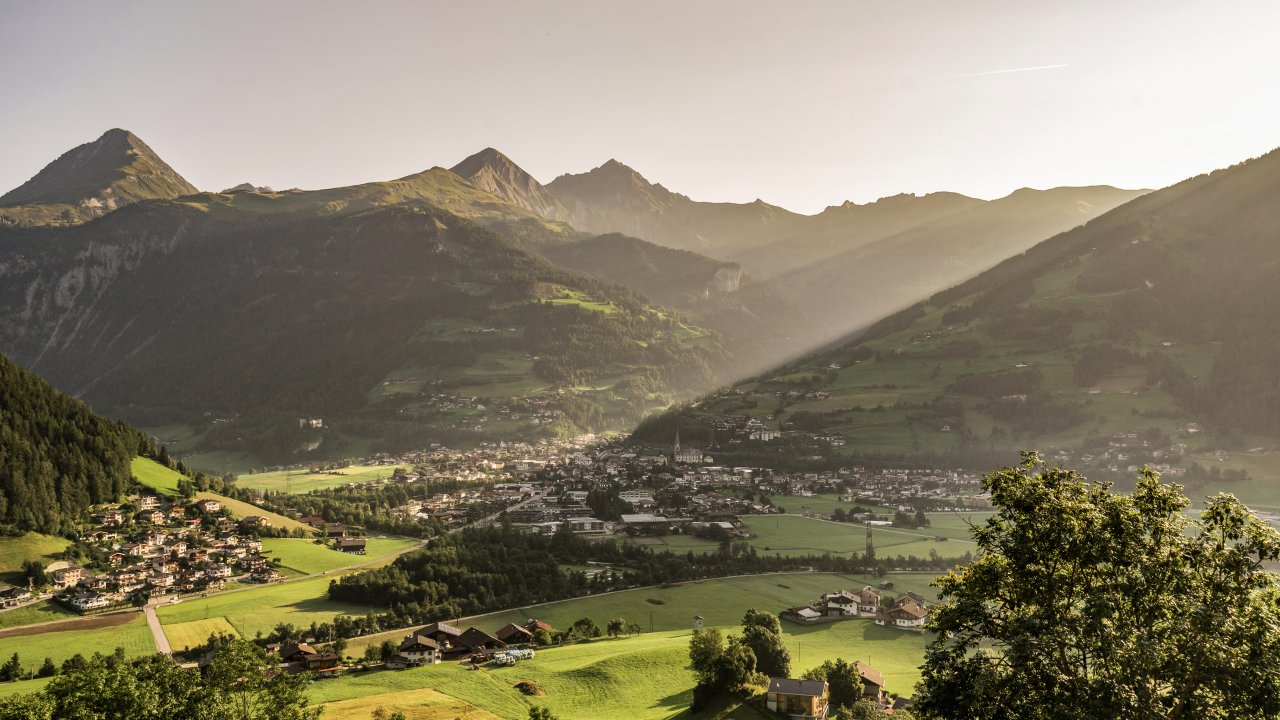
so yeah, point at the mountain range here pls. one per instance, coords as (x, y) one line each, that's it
(232, 313)
(1154, 321)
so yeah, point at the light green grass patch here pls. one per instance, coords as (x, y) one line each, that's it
(134, 636)
(15, 550)
(196, 633)
(43, 611)
(260, 609)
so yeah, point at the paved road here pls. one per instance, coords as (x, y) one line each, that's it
(157, 632)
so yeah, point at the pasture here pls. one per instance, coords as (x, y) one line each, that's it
(308, 558)
(790, 535)
(259, 609)
(102, 634)
(721, 602)
(17, 549)
(304, 481)
(646, 676)
(195, 633)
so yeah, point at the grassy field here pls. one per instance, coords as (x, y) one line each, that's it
(44, 611)
(23, 687)
(720, 602)
(791, 535)
(156, 476)
(132, 634)
(307, 558)
(15, 550)
(165, 481)
(643, 677)
(303, 481)
(422, 704)
(261, 608)
(241, 509)
(195, 633)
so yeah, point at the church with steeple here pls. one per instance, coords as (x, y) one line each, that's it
(688, 456)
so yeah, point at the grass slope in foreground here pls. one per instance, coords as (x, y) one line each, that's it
(646, 676)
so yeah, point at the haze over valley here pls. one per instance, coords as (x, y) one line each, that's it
(713, 361)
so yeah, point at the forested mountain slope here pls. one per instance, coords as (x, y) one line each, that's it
(56, 456)
(397, 322)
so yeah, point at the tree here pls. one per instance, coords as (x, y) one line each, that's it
(1085, 602)
(380, 713)
(762, 632)
(616, 627)
(585, 628)
(844, 682)
(11, 670)
(339, 646)
(48, 669)
(705, 649)
(540, 713)
(244, 684)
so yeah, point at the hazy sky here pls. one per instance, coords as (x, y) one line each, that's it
(804, 104)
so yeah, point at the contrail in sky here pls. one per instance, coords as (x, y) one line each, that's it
(1011, 70)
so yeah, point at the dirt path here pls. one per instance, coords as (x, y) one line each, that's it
(92, 622)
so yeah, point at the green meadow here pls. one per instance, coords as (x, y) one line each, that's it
(304, 481)
(791, 535)
(133, 635)
(259, 609)
(645, 676)
(307, 558)
(15, 550)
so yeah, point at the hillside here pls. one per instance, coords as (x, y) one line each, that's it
(91, 179)
(937, 241)
(394, 323)
(1149, 324)
(56, 456)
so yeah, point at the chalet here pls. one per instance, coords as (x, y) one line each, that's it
(840, 604)
(11, 596)
(116, 559)
(112, 517)
(868, 599)
(148, 502)
(513, 634)
(417, 650)
(474, 640)
(266, 575)
(208, 506)
(353, 545)
(534, 626)
(335, 530)
(872, 683)
(252, 522)
(84, 602)
(798, 699)
(444, 634)
(908, 612)
(218, 571)
(155, 517)
(301, 657)
(67, 576)
(313, 521)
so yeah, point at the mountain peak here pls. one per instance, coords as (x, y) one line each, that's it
(495, 173)
(99, 176)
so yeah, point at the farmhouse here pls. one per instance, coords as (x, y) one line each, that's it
(513, 634)
(416, 650)
(908, 613)
(301, 657)
(353, 545)
(798, 699)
